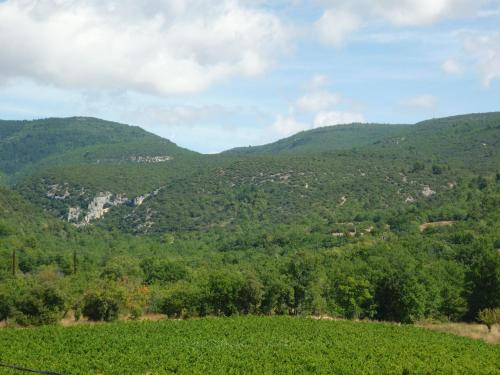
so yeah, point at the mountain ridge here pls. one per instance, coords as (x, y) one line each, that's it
(399, 168)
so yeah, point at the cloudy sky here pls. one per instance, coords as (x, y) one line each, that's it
(211, 75)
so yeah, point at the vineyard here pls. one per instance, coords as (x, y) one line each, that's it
(258, 345)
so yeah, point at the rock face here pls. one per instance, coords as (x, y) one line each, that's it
(150, 159)
(427, 192)
(58, 192)
(101, 204)
(137, 201)
(74, 214)
(409, 199)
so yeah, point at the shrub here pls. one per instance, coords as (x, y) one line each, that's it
(38, 305)
(490, 317)
(181, 300)
(101, 306)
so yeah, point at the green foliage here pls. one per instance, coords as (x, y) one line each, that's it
(250, 345)
(102, 305)
(490, 317)
(339, 137)
(327, 222)
(25, 144)
(32, 301)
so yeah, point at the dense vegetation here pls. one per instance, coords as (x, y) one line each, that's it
(335, 232)
(341, 137)
(27, 144)
(247, 345)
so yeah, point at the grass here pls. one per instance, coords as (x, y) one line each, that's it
(246, 345)
(472, 330)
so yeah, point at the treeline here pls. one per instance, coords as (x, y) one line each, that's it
(404, 280)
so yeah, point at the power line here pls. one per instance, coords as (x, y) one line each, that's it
(29, 369)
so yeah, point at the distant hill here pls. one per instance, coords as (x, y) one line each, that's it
(467, 133)
(25, 144)
(330, 138)
(371, 170)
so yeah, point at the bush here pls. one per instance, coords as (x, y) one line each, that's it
(490, 317)
(38, 305)
(101, 306)
(181, 300)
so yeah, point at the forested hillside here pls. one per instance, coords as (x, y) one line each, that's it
(398, 168)
(339, 137)
(402, 226)
(25, 144)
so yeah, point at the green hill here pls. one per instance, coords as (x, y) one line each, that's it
(466, 139)
(27, 144)
(399, 167)
(331, 138)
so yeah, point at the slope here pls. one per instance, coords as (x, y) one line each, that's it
(27, 144)
(419, 167)
(331, 138)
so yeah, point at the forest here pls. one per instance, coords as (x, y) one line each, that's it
(402, 224)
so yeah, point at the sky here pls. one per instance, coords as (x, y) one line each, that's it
(212, 75)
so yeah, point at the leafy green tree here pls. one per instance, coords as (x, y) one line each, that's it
(302, 273)
(400, 297)
(483, 281)
(490, 317)
(250, 294)
(102, 305)
(162, 270)
(223, 294)
(181, 300)
(354, 296)
(121, 268)
(37, 304)
(277, 296)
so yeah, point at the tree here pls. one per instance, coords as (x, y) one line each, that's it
(400, 297)
(250, 295)
(490, 317)
(181, 300)
(302, 273)
(104, 304)
(37, 304)
(224, 292)
(354, 296)
(483, 281)
(121, 268)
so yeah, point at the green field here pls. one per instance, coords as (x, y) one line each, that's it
(258, 345)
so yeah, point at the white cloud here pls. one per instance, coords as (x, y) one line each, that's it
(284, 126)
(484, 49)
(157, 46)
(417, 12)
(319, 106)
(318, 81)
(343, 17)
(337, 118)
(452, 66)
(317, 101)
(421, 102)
(183, 115)
(409, 12)
(333, 26)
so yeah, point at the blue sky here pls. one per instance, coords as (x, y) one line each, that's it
(211, 75)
